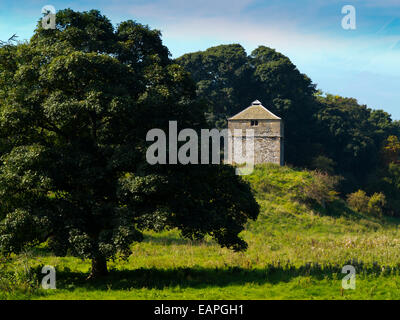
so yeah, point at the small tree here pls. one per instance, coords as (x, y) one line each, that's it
(358, 201)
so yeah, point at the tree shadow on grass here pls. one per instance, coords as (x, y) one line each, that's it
(200, 278)
(176, 240)
(44, 251)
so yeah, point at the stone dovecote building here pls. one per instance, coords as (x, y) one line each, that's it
(268, 134)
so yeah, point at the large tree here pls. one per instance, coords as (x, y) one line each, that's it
(224, 80)
(76, 104)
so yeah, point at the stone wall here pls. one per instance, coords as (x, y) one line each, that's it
(268, 141)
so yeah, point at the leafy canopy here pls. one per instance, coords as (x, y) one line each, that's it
(76, 104)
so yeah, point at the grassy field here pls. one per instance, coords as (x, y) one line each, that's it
(296, 251)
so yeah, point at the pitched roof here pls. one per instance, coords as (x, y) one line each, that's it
(255, 112)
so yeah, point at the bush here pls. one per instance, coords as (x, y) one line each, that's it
(321, 189)
(358, 201)
(376, 204)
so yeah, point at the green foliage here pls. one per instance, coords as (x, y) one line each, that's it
(358, 201)
(18, 280)
(376, 204)
(352, 136)
(76, 105)
(322, 188)
(391, 149)
(209, 199)
(387, 181)
(222, 75)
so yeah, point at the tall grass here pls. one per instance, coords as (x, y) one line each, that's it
(18, 279)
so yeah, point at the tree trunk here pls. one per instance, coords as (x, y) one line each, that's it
(99, 267)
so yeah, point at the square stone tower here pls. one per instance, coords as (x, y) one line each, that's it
(268, 134)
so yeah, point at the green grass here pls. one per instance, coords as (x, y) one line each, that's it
(296, 251)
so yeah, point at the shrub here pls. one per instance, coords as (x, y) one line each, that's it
(376, 204)
(358, 201)
(321, 189)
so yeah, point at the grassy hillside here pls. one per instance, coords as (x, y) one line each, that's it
(296, 251)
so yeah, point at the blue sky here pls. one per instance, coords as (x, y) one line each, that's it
(362, 63)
